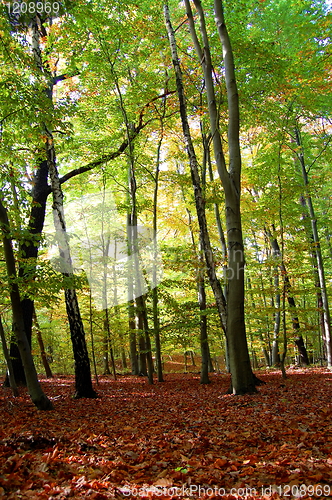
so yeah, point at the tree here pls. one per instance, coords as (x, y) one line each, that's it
(36, 393)
(11, 375)
(242, 376)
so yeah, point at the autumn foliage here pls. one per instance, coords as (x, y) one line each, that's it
(176, 439)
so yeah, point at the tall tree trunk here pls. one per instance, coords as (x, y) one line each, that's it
(284, 331)
(142, 312)
(155, 305)
(134, 254)
(132, 339)
(106, 329)
(36, 393)
(29, 252)
(205, 353)
(277, 318)
(263, 341)
(291, 302)
(83, 382)
(46, 364)
(117, 309)
(107, 333)
(243, 380)
(11, 376)
(131, 304)
(201, 295)
(200, 206)
(92, 338)
(141, 344)
(221, 234)
(317, 251)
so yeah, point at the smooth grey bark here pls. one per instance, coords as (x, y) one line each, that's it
(43, 355)
(131, 303)
(243, 380)
(136, 277)
(92, 338)
(201, 296)
(29, 251)
(107, 334)
(106, 330)
(142, 367)
(276, 329)
(199, 201)
(277, 318)
(317, 250)
(83, 382)
(35, 391)
(205, 352)
(142, 312)
(155, 298)
(116, 308)
(90, 306)
(134, 271)
(11, 375)
(290, 299)
(220, 229)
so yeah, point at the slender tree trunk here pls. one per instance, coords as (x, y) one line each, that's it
(140, 301)
(291, 302)
(211, 368)
(117, 315)
(277, 318)
(318, 252)
(243, 380)
(201, 293)
(107, 333)
(263, 341)
(134, 254)
(284, 330)
(221, 234)
(131, 221)
(11, 375)
(36, 393)
(46, 364)
(106, 330)
(132, 339)
(141, 344)
(155, 306)
(106, 368)
(200, 206)
(203, 327)
(83, 382)
(28, 252)
(92, 338)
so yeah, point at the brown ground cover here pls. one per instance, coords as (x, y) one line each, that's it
(176, 439)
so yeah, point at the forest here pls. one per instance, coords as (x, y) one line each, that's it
(165, 225)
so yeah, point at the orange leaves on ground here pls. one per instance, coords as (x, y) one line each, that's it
(177, 439)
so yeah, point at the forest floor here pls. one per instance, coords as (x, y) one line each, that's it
(176, 439)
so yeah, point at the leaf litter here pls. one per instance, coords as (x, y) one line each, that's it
(176, 439)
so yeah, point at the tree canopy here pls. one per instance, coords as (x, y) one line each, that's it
(91, 89)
